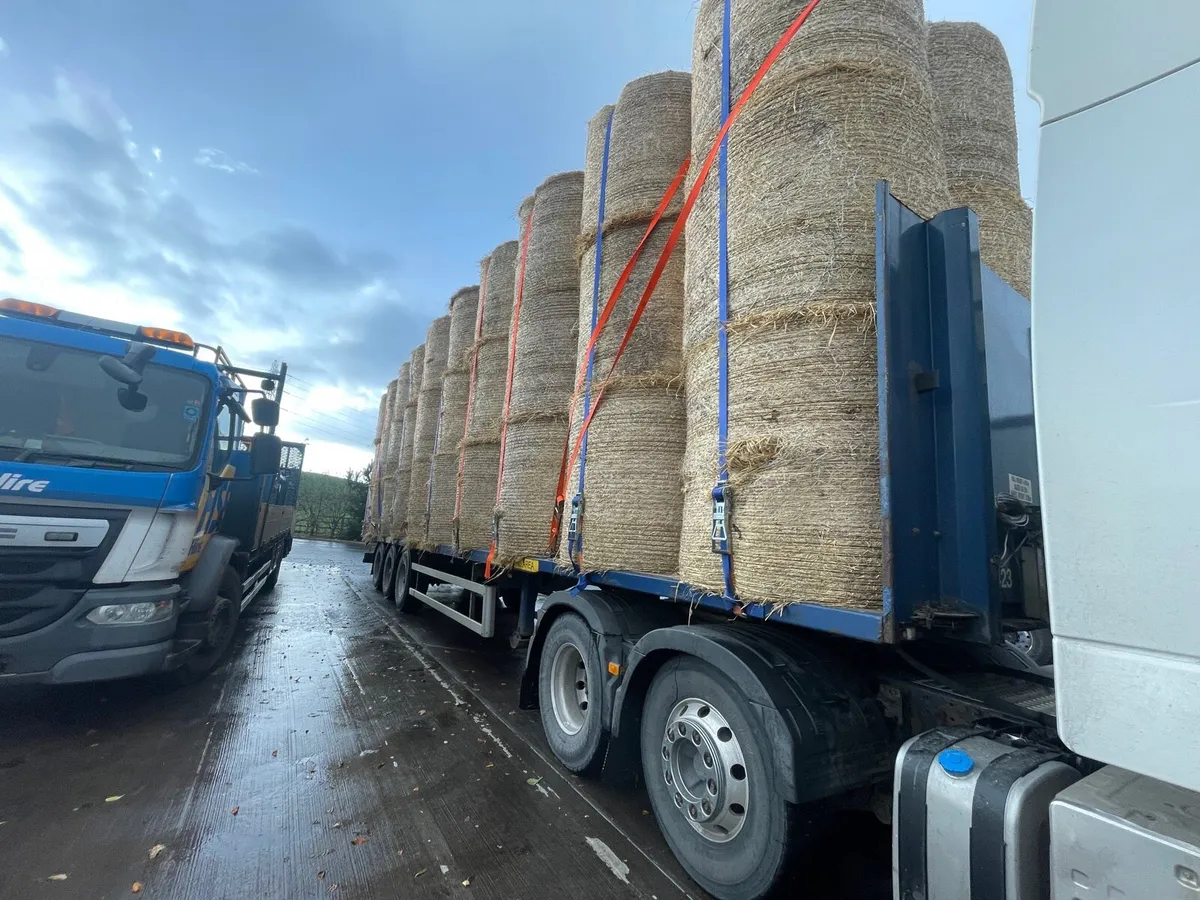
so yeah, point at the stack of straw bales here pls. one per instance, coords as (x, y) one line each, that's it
(543, 370)
(633, 505)
(848, 102)
(416, 366)
(481, 447)
(391, 527)
(464, 309)
(973, 88)
(429, 401)
(370, 528)
(387, 483)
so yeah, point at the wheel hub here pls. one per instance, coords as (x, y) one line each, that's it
(569, 689)
(705, 770)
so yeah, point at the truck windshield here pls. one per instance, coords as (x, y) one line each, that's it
(58, 406)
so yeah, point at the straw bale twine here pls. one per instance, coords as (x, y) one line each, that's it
(429, 399)
(543, 369)
(976, 113)
(848, 102)
(416, 369)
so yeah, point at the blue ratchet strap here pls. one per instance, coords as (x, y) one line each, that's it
(720, 495)
(574, 530)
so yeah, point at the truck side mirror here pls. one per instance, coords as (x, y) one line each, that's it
(265, 412)
(266, 451)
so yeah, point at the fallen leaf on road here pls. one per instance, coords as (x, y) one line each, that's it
(157, 849)
(445, 869)
(466, 882)
(420, 872)
(234, 811)
(274, 752)
(338, 824)
(321, 874)
(360, 839)
(420, 712)
(532, 781)
(61, 876)
(114, 798)
(416, 789)
(137, 888)
(490, 766)
(333, 887)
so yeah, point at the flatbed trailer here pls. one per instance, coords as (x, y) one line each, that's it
(794, 708)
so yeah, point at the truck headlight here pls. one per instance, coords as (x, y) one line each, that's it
(132, 613)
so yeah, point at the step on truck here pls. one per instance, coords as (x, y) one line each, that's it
(751, 726)
(138, 515)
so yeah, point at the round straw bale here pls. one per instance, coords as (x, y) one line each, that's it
(491, 375)
(429, 399)
(973, 88)
(501, 281)
(481, 466)
(533, 451)
(633, 502)
(592, 170)
(395, 439)
(848, 102)
(464, 306)
(455, 385)
(381, 418)
(416, 367)
(651, 136)
(551, 265)
(976, 111)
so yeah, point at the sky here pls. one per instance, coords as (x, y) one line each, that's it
(310, 182)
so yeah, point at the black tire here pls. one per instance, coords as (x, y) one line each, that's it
(752, 862)
(572, 717)
(405, 579)
(221, 626)
(273, 578)
(381, 551)
(1038, 645)
(389, 571)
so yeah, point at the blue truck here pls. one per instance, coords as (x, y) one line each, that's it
(138, 516)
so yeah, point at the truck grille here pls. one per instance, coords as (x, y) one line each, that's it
(40, 585)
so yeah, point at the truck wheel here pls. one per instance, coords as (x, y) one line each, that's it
(381, 551)
(405, 579)
(389, 571)
(220, 627)
(1038, 645)
(708, 772)
(569, 686)
(273, 578)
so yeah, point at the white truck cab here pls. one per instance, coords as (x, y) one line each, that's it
(1116, 355)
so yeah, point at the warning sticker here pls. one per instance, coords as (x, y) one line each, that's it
(1021, 488)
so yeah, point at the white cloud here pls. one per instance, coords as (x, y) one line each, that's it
(3, 48)
(212, 158)
(157, 151)
(84, 226)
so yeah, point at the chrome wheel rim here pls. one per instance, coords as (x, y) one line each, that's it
(705, 770)
(569, 689)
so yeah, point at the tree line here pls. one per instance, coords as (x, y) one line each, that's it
(332, 507)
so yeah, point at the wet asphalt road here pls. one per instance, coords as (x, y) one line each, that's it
(342, 751)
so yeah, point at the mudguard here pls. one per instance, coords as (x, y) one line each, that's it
(827, 729)
(200, 585)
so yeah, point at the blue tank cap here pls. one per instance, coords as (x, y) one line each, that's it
(956, 762)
